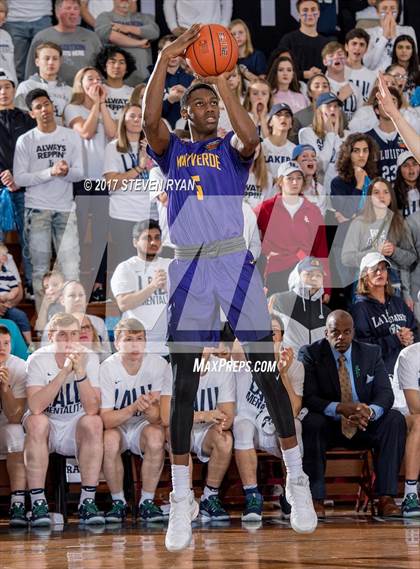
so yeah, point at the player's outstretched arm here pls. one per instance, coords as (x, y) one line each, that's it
(407, 132)
(156, 131)
(241, 122)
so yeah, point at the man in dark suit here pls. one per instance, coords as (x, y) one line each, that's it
(349, 398)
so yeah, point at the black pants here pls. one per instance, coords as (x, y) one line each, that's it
(185, 386)
(386, 437)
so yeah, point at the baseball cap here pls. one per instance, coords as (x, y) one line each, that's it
(278, 108)
(403, 157)
(288, 168)
(5, 75)
(326, 98)
(310, 264)
(372, 260)
(300, 148)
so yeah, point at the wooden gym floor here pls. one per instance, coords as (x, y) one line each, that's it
(344, 541)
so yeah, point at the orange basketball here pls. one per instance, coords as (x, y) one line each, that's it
(214, 52)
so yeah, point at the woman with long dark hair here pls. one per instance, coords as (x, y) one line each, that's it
(284, 83)
(356, 167)
(405, 54)
(380, 228)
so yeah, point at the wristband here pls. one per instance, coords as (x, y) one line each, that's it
(81, 379)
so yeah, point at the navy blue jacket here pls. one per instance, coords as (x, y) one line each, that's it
(256, 62)
(172, 111)
(340, 200)
(322, 386)
(377, 323)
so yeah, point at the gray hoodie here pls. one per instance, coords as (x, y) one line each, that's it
(410, 278)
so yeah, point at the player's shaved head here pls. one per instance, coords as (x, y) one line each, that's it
(194, 87)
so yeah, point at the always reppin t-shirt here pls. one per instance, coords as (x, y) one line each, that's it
(117, 99)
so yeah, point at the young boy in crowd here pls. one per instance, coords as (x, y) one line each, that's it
(9, 290)
(48, 59)
(382, 37)
(356, 45)
(12, 406)
(116, 64)
(334, 58)
(63, 399)
(305, 44)
(131, 381)
(52, 284)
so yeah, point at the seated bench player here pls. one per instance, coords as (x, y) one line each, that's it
(252, 427)
(12, 406)
(131, 381)
(407, 373)
(214, 410)
(63, 399)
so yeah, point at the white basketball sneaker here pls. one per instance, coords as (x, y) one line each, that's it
(182, 513)
(303, 518)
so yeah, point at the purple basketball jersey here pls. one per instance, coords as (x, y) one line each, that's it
(205, 186)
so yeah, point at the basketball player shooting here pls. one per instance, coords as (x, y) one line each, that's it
(212, 269)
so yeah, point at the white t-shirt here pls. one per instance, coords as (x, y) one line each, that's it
(250, 400)
(316, 195)
(28, 10)
(7, 50)
(17, 381)
(94, 148)
(352, 103)
(59, 92)
(119, 389)
(133, 275)
(131, 202)
(215, 387)
(363, 78)
(254, 193)
(117, 98)
(407, 367)
(35, 154)
(293, 208)
(42, 368)
(276, 155)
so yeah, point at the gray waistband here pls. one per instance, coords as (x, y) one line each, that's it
(213, 249)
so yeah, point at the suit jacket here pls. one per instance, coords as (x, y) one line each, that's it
(322, 385)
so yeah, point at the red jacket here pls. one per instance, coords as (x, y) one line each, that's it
(287, 240)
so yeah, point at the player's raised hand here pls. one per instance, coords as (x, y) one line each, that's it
(178, 46)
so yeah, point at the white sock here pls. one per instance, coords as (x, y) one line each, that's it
(410, 487)
(119, 496)
(146, 496)
(209, 491)
(17, 497)
(293, 461)
(37, 494)
(87, 492)
(180, 481)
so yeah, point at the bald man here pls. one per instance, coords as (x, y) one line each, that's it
(349, 398)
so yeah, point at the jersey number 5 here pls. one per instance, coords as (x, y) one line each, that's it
(199, 187)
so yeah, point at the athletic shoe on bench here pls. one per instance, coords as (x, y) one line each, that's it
(40, 514)
(211, 509)
(89, 513)
(253, 508)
